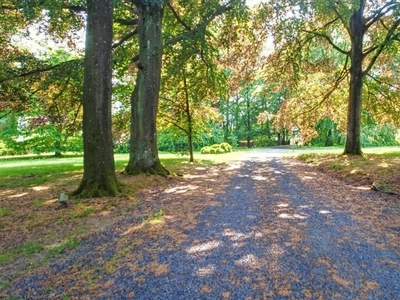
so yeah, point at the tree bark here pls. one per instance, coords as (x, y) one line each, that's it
(189, 119)
(99, 177)
(143, 156)
(356, 30)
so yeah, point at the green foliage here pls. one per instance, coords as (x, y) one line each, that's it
(121, 148)
(24, 134)
(378, 135)
(264, 141)
(226, 147)
(233, 140)
(205, 150)
(172, 141)
(328, 134)
(217, 149)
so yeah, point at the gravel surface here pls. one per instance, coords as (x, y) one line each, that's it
(275, 230)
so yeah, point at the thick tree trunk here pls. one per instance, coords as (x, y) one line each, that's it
(353, 141)
(99, 177)
(144, 100)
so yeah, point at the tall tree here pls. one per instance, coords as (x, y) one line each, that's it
(144, 100)
(361, 31)
(99, 177)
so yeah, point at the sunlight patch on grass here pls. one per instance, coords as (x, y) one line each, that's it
(181, 189)
(383, 165)
(40, 188)
(18, 195)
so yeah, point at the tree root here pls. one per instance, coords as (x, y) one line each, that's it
(155, 169)
(108, 188)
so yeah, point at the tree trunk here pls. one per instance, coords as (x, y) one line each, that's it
(189, 119)
(98, 160)
(143, 156)
(353, 141)
(248, 122)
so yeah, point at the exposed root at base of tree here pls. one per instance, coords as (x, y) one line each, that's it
(156, 169)
(95, 188)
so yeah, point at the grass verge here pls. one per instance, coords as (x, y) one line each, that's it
(381, 169)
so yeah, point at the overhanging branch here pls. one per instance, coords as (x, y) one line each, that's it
(37, 71)
(199, 28)
(380, 47)
(329, 40)
(124, 38)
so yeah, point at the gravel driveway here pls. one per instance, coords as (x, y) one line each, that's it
(274, 229)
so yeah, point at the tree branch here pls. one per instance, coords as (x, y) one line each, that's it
(379, 48)
(200, 27)
(126, 22)
(329, 40)
(178, 18)
(37, 71)
(175, 124)
(391, 5)
(76, 8)
(124, 39)
(338, 15)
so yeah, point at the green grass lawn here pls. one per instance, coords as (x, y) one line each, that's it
(32, 170)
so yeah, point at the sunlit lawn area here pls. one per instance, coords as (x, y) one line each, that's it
(34, 169)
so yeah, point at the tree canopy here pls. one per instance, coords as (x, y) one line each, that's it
(197, 73)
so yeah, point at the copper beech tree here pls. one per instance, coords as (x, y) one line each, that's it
(356, 33)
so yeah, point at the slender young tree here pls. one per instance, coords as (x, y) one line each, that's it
(99, 177)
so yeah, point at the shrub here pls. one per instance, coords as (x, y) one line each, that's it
(216, 149)
(205, 150)
(122, 147)
(219, 151)
(226, 147)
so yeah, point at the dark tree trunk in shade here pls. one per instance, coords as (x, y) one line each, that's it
(353, 141)
(144, 100)
(99, 177)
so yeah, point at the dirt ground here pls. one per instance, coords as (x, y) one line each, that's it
(153, 208)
